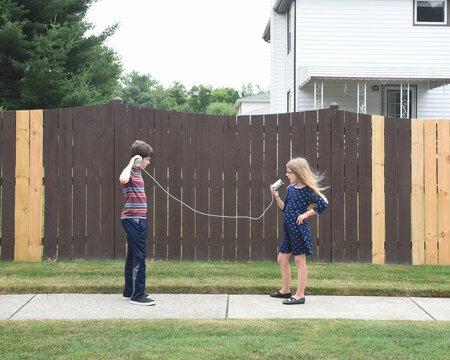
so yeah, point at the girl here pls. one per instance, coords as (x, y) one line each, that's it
(304, 190)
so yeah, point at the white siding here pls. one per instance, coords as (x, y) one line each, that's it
(364, 32)
(431, 104)
(254, 108)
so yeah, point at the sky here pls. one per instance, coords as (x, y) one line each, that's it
(209, 42)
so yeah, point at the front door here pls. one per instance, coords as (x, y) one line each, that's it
(392, 101)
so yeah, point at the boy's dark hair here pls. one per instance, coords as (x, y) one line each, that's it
(141, 148)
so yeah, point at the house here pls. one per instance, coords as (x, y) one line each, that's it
(257, 104)
(382, 57)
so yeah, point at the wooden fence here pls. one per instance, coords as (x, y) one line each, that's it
(389, 184)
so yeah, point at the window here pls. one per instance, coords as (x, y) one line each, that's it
(288, 31)
(391, 100)
(288, 100)
(430, 12)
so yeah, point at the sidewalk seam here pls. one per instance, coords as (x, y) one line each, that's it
(22, 306)
(421, 308)
(228, 307)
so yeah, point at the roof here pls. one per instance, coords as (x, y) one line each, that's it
(260, 98)
(380, 72)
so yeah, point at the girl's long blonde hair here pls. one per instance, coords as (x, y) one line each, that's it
(310, 178)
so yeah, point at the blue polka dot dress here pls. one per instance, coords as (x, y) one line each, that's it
(297, 238)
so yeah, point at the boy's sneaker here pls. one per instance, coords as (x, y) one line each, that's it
(129, 297)
(144, 301)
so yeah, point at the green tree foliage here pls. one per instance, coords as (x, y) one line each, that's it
(220, 108)
(46, 59)
(250, 90)
(143, 90)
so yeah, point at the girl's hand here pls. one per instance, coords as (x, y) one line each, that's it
(274, 192)
(301, 218)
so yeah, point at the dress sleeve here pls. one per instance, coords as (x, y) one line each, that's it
(321, 204)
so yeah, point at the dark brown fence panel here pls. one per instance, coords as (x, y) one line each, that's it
(365, 188)
(188, 163)
(351, 189)
(216, 167)
(147, 135)
(271, 240)
(50, 159)
(202, 174)
(391, 189)
(404, 191)
(79, 183)
(108, 181)
(325, 235)
(160, 164)
(337, 186)
(258, 190)
(93, 183)
(122, 158)
(298, 134)
(229, 168)
(174, 164)
(8, 144)
(243, 185)
(65, 185)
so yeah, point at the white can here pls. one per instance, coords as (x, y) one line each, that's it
(278, 184)
(138, 161)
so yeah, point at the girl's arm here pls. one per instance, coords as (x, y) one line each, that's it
(280, 202)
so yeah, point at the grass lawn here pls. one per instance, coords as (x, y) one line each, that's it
(225, 278)
(224, 339)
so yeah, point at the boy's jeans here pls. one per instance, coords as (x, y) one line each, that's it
(136, 230)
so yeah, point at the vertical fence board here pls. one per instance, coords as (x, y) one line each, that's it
(107, 180)
(93, 182)
(351, 187)
(337, 186)
(216, 166)
(202, 167)
(229, 165)
(271, 242)
(391, 189)
(404, 191)
(258, 190)
(79, 182)
(417, 193)
(174, 139)
(243, 184)
(51, 183)
(160, 164)
(325, 235)
(121, 158)
(188, 155)
(298, 134)
(378, 203)
(36, 139)
(147, 135)
(444, 191)
(430, 191)
(8, 184)
(22, 209)
(365, 188)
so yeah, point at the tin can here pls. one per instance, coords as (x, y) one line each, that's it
(278, 184)
(138, 162)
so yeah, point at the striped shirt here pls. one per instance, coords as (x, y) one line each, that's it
(135, 198)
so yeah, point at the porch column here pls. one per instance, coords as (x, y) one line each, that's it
(318, 95)
(404, 101)
(361, 106)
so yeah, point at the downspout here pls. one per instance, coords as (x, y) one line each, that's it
(295, 56)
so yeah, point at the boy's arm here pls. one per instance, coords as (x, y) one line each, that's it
(126, 173)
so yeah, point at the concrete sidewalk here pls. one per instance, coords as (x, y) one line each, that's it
(192, 306)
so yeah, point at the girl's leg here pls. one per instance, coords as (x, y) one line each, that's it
(283, 260)
(300, 261)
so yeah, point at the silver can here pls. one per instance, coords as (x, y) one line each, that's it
(278, 184)
(138, 162)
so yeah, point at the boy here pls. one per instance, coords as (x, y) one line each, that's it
(134, 221)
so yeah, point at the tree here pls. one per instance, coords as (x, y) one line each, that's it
(220, 108)
(224, 95)
(140, 90)
(47, 61)
(250, 90)
(200, 98)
